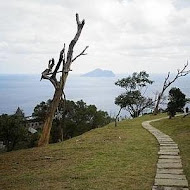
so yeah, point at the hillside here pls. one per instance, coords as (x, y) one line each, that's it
(105, 158)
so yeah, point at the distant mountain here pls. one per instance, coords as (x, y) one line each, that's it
(99, 73)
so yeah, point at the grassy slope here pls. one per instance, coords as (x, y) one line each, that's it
(105, 158)
(179, 129)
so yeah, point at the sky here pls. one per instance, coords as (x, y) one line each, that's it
(124, 36)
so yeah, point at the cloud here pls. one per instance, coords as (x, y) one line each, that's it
(123, 35)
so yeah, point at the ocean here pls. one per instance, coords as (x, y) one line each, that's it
(26, 91)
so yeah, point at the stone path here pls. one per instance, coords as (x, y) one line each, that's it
(169, 174)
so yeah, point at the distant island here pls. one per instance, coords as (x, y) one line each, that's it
(99, 73)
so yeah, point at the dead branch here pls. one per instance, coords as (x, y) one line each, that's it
(180, 73)
(61, 56)
(59, 85)
(73, 42)
(167, 83)
(82, 53)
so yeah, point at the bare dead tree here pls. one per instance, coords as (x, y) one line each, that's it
(65, 60)
(167, 83)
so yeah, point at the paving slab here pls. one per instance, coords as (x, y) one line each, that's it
(162, 138)
(168, 188)
(167, 142)
(170, 176)
(170, 156)
(162, 152)
(169, 148)
(168, 145)
(169, 171)
(171, 182)
(169, 160)
(169, 165)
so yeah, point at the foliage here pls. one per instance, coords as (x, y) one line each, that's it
(33, 139)
(12, 130)
(133, 99)
(41, 110)
(176, 102)
(19, 112)
(72, 118)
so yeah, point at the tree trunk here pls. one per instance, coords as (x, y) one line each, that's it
(117, 116)
(44, 139)
(157, 104)
(59, 86)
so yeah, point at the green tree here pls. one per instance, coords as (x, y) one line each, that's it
(72, 118)
(12, 130)
(19, 112)
(133, 99)
(176, 102)
(80, 117)
(41, 110)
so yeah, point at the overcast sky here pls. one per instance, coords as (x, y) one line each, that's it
(123, 35)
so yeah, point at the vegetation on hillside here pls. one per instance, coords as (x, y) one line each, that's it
(134, 99)
(12, 130)
(71, 119)
(104, 158)
(176, 102)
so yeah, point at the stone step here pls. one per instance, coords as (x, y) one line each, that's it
(169, 165)
(169, 157)
(168, 188)
(168, 152)
(168, 146)
(166, 142)
(165, 138)
(171, 182)
(169, 142)
(170, 176)
(169, 160)
(169, 149)
(169, 171)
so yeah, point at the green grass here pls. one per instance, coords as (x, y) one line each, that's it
(178, 129)
(122, 157)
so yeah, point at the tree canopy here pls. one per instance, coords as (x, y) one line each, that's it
(40, 110)
(72, 118)
(176, 102)
(133, 99)
(12, 130)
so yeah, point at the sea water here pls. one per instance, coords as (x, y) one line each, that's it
(26, 91)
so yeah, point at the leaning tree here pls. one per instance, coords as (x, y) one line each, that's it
(65, 59)
(168, 82)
